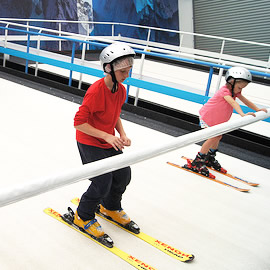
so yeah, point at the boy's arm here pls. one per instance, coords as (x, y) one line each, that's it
(120, 130)
(91, 131)
(115, 142)
(119, 127)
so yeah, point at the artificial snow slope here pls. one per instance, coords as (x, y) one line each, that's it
(223, 228)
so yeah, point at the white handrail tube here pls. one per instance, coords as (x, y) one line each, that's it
(19, 192)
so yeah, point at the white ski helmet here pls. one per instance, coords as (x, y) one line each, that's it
(238, 73)
(113, 52)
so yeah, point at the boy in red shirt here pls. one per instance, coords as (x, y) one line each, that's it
(218, 110)
(95, 122)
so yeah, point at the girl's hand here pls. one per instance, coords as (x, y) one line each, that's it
(263, 109)
(250, 113)
(253, 114)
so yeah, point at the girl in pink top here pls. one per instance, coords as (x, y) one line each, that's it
(218, 110)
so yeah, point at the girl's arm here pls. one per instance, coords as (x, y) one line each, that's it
(250, 104)
(235, 105)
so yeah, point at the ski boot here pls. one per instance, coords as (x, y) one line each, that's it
(90, 227)
(198, 166)
(119, 217)
(211, 162)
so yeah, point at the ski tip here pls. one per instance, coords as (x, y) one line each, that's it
(249, 183)
(243, 190)
(254, 184)
(190, 259)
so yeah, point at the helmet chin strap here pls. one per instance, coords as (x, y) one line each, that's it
(114, 89)
(233, 84)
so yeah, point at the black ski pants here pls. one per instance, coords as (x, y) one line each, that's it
(107, 188)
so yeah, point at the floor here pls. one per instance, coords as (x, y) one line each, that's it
(222, 227)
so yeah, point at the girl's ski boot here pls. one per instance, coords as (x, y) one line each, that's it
(211, 161)
(198, 166)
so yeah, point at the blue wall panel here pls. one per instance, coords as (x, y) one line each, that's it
(156, 13)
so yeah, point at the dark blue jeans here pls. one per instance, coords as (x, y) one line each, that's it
(106, 188)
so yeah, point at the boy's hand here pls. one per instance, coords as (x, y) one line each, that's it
(126, 140)
(115, 142)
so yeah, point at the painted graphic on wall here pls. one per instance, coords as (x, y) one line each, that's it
(85, 15)
(155, 13)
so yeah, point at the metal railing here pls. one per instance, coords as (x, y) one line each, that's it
(61, 36)
(178, 48)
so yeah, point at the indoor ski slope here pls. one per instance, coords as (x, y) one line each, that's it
(223, 228)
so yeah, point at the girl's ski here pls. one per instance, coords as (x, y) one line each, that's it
(212, 179)
(230, 175)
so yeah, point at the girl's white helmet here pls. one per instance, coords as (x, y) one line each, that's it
(113, 52)
(238, 73)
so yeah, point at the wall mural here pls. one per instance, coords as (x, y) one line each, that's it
(156, 13)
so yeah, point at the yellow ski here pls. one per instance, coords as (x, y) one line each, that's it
(169, 250)
(138, 264)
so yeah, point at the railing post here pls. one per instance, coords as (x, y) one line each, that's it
(72, 61)
(221, 69)
(268, 65)
(112, 30)
(209, 81)
(38, 48)
(141, 67)
(181, 42)
(128, 86)
(222, 48)
(60, 41)
(5, 56)
(220, 74)
(27, 51)
(88, 33)
(82, 63)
